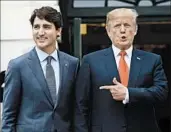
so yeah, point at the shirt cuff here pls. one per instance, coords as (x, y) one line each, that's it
(126, 100)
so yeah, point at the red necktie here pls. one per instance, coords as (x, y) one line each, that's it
(123, 69)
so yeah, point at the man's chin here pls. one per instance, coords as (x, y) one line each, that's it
(125, 46)
(42, 45)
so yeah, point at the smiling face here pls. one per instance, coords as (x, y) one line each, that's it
(121, 28)
(45, 34)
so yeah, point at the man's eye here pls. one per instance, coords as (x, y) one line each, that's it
(47, 27)
(36, 27)
(127, 25)
(118, 25)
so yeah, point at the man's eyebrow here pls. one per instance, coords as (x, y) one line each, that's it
(47, 25)
(43, 24)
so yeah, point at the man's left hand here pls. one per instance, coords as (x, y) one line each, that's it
(117, 90)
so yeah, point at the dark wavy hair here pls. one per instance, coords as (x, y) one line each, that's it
(49, 14)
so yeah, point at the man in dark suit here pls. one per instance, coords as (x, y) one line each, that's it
(117, 87)
(38, 93)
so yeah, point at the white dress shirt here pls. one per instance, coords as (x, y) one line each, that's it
(127, 58)
(54, 62)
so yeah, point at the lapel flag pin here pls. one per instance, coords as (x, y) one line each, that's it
(138, 58)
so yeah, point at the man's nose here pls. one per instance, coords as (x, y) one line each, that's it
(122, 29)
(41, 31)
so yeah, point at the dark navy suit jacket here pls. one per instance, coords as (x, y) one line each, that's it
(97, 111)
(27, 104)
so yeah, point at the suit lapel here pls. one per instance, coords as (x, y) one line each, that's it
(63, 65)
(35, 66)
(110, 64)
(135, 67)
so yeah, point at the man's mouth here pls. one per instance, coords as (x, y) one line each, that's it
(123, 37)
(41, 39)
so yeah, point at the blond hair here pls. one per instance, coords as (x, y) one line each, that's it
(111, 15)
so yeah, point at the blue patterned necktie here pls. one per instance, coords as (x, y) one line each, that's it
(50, 78)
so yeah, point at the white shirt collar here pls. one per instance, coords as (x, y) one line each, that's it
(116, 51)
(43, 55)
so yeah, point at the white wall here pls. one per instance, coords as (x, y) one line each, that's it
(13, 48)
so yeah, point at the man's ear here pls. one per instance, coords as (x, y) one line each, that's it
(108, 30)
(58, 32)
(136, 30)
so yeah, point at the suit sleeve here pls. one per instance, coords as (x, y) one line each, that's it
(77, 68)
(72, 110)
(82, 98)
(156, 93)
(11, 98)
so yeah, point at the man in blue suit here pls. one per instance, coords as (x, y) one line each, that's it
(39, 85)
(117, 87)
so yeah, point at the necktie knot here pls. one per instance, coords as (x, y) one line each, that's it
(122, 53)
(49, 58)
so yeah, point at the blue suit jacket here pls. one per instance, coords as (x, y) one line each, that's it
(27, 104)
(97, 111)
